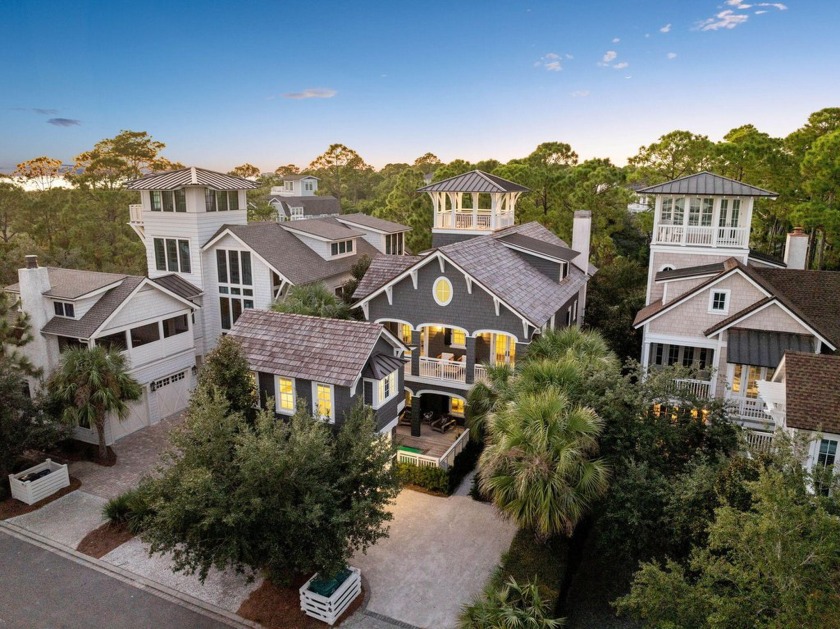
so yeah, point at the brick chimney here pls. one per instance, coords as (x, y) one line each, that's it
(796, 249)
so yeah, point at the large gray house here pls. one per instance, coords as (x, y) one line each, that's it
(327, 365)
(478, 298)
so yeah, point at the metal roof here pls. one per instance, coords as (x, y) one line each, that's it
(297, 177)
(766, 258)
(707, 184)
(374, 223)
(331, 351)
(178, 285)
(474, 181)
(690, 271)
(762, 348)
(190, 176)
(541, 247)
(380, 365)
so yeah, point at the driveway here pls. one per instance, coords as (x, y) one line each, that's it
(137, 455)
(438, 557)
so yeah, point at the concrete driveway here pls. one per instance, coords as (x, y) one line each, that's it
(438, 557)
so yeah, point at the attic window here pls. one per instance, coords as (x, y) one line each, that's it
(442, 291)
(64, 309)
(719, 302)
(341, 247)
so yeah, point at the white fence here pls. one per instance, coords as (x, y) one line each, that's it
(32, 491)
(448, 458)
(415, 458)
(440, 369)
(328, 608)
(694, 235)
(466, 220)
(749, 408)
(698, 388)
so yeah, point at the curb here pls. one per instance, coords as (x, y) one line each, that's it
(153, 587)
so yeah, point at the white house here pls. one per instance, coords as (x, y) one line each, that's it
(150, 320)
(297, 198)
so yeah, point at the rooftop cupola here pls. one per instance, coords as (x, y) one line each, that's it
(472, 204)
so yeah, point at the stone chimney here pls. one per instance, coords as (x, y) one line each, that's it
(796, 249)
(34, 281)
(581, 234)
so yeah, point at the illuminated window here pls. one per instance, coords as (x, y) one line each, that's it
(456, 406)
(285, 395)
(442, 291)
(459, 338)
(405, 333)
(408, 398)
(387, 388)
(323, 401)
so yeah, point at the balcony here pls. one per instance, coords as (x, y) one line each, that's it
(749, 408)
(135, 219)
(480, 373)
(697, 388)
(735, 237)
(482, 220)
(430, 449)
(443, 369)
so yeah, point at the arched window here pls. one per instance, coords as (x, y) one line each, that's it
(442, 291)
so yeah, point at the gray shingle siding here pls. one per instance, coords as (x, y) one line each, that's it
(441, 240)
(472, 312)
(548, 268)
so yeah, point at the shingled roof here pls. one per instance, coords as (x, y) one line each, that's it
(811, 392)
(321, 228)
(74, 283)
(382, 269)
(331, 351)
(708, 184)
(322, 205)
(474, 181)
(290, 256)
(190, 176)
(374, 223)
(90, 322)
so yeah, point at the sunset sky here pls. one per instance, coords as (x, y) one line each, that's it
(271, 83)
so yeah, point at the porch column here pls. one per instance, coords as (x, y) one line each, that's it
(416, 346)
(521, 351)
(415, 416)
(470, 359)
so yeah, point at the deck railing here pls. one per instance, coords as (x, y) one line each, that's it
(135, 212)
(480, 373)
(695, 235)
(467, 220)
(698, 388)
(448, 458)
(441, 369)
(759, 441)
(414, 458)
(749, 408)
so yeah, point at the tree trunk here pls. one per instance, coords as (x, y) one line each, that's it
(100, 431)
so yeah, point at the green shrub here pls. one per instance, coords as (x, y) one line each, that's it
(435, 479)
(464, 463)
(529, 560)
(130, 508)
(510, 606)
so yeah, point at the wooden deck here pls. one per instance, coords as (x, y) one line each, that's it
(431, 442)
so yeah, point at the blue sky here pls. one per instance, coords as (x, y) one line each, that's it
(273, 83)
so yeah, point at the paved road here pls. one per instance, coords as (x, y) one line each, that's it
(40, 589)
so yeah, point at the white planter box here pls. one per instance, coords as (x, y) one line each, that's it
(32, 491)
(328, 609)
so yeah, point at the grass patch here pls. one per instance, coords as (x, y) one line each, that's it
(11, 507)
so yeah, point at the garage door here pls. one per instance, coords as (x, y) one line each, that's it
(137, 418)
(171, 395)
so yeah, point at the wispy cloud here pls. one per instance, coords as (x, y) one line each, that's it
(36, 110)
(616, 40)
(64, 122)
(550, 61)
(314, 92)
(580, 93)
(665, 29)
(726, 19)
(671, 55)
(621, 66)
(609, 56)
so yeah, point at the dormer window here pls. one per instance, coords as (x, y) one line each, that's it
(64, 309)
(295, 213)
(221, 200)
(341, 247)
(308, 185)
(394, 244)
(168, 200)
(564, 270)
(289, 186)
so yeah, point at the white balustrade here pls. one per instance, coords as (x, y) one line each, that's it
(696, 235)
(441, 369)
(698, 388)
(480, 373)
(758, 440)
(135, 212)
(482, 220)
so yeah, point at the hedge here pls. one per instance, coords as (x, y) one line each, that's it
(436, 479)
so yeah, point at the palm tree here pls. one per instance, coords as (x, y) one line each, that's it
(512, 606)
(539, 466)
(585, 345)
(486, 396)
(313, 299)
(93, 382)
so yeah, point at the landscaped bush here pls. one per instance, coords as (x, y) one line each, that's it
(464, 463)
(130, 508)
(510, 606)
(435, 479)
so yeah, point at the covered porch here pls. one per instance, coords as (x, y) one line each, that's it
(431, 430)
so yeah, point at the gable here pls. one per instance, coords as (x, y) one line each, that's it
(147, 304)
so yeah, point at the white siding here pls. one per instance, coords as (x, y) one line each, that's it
(148, 304)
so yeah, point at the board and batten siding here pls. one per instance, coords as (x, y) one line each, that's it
(472, 312)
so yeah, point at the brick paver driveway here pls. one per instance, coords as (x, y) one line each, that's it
(137, 455)
(439, 555)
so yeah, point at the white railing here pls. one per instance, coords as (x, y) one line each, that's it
(448, 458)
(758, 440)
(749, 408)
(441, 369)
(415, 458)
(694, 235)
(698, 388)
(467, 220)
(480, 373)
(135, 212)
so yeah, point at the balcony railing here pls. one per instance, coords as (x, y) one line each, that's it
(467, 220)
(480, 373)
(441, 369)
(135, 212)
(759, 440)
(750, 408)
(697, 388)
(707, 236)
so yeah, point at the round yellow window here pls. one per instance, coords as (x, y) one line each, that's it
(442, 291)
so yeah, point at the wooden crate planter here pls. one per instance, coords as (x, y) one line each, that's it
(32, 491)
(329, 608)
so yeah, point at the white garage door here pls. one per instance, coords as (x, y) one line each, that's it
(137, 418)
(171, 394)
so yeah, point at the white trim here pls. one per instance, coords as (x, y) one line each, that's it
(383, 320)
(433, 382)
(246, 247)
(468, 280)
(496, 302)
(727, 294)
(389, 293)
(146, 282)
(389, 426)
(671, 339)
(461, 232)
(315, 385)
(277, 408)
(438, 392)
(531, 252)
(442, 264)
(440, 279)
(414, 278)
